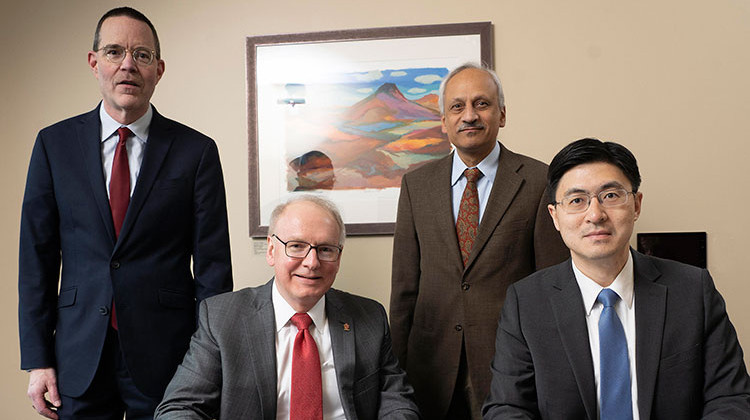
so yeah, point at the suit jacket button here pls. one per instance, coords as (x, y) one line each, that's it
(465, 286)
(115, 264)
(459, 328)
(103, 310)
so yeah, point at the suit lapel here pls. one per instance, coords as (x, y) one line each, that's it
(259, 336)
(567, 306)
(160, 138)
(650, 313)
(89, 140)
(504, 188)
(341, 328)
(442, 205)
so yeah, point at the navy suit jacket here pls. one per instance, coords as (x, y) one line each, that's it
(177, 213)
(230, 370)
(689, 364)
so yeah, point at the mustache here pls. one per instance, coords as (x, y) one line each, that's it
(474, 126)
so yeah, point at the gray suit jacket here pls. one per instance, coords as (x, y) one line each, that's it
(229, 372)
(688, 362)
(436, 303)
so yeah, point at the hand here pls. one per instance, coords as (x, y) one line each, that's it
(43, 381)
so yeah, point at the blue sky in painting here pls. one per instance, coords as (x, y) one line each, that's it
(413, 83)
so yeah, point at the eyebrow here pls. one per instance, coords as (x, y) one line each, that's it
(608, 186)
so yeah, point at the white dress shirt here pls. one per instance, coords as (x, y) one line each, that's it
(625, 308)
(488, 167)
(135, 144)
(285, 335)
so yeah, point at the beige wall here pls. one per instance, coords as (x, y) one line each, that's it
(666, 78)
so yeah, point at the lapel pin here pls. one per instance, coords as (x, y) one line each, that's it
(346, 327)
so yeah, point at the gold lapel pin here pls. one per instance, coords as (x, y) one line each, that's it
(346, 327)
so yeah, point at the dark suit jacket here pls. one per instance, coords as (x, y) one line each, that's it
(435, 302)
(230, 370)
(688, 361)
(177, 211)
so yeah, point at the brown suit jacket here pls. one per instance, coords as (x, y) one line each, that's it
(436, 303)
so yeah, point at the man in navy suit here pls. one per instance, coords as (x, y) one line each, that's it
(137, 220)
(612, 333)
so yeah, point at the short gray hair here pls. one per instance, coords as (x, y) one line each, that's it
(321, 202)
(466, 66)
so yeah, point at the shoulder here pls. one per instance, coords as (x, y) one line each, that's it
(526, 165)
(245, 298)
(72, 123)
(428, 171)
(544, 278)
(160, 123)
(355, 304)
(669, 272)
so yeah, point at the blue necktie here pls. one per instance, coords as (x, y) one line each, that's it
(614, 374)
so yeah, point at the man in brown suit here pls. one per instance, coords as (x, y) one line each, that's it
(443, 311)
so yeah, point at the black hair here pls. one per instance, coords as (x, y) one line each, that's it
(591, 150)
(133, 14)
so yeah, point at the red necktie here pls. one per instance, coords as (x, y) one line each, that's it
(468, 214)
(119, 190)
(307, 389)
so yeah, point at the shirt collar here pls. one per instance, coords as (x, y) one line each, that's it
(623, 285)
(488, 165)
(283, 312)
(139, 127)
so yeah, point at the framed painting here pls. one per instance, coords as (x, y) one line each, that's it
(344, 114)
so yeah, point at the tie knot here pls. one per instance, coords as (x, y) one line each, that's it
(301, 321)
(472, 174)
(608, 297)
(124, 133)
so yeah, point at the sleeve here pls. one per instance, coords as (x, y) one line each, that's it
(396, 395)
(512, 390)
(727, 386)
(549, 249)
(405, 275)
(195, 389)
(39, 264)
(212, 263)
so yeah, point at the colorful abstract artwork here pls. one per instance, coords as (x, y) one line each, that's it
(364, 130)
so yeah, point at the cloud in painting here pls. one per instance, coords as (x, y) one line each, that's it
(426, 79)
(369, 76)
(365, 90)
(415, 91)
(398, 73)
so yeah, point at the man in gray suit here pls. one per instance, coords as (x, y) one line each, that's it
(612, 333)
(446, 298)
(243, 358)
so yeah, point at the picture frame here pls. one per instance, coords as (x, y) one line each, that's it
(343, 114)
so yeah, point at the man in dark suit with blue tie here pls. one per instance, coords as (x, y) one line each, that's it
(612, 333)
(132, 206)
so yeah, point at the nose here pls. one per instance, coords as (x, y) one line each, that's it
(595, 213)
(469, 115)
(311, 260)
(128, 63)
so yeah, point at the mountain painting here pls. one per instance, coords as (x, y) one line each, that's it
(362, 130)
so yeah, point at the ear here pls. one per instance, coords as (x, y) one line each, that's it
(502, 117)
(159, 70)
(553, 213)
(442, 124)
(269, 251)
(638, 199)
(93, 60)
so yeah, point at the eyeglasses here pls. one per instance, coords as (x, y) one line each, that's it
(115, 54)
(299, 250)
(580, 202)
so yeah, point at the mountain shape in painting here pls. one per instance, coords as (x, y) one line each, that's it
(383, 136)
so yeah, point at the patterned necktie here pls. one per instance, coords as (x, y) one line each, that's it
(306, 401)
(119, 183)
(119, 191)
(614, 373)
(468, 214)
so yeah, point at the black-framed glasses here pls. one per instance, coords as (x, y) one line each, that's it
(580, 202)
(299, 250)
(115, 54)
